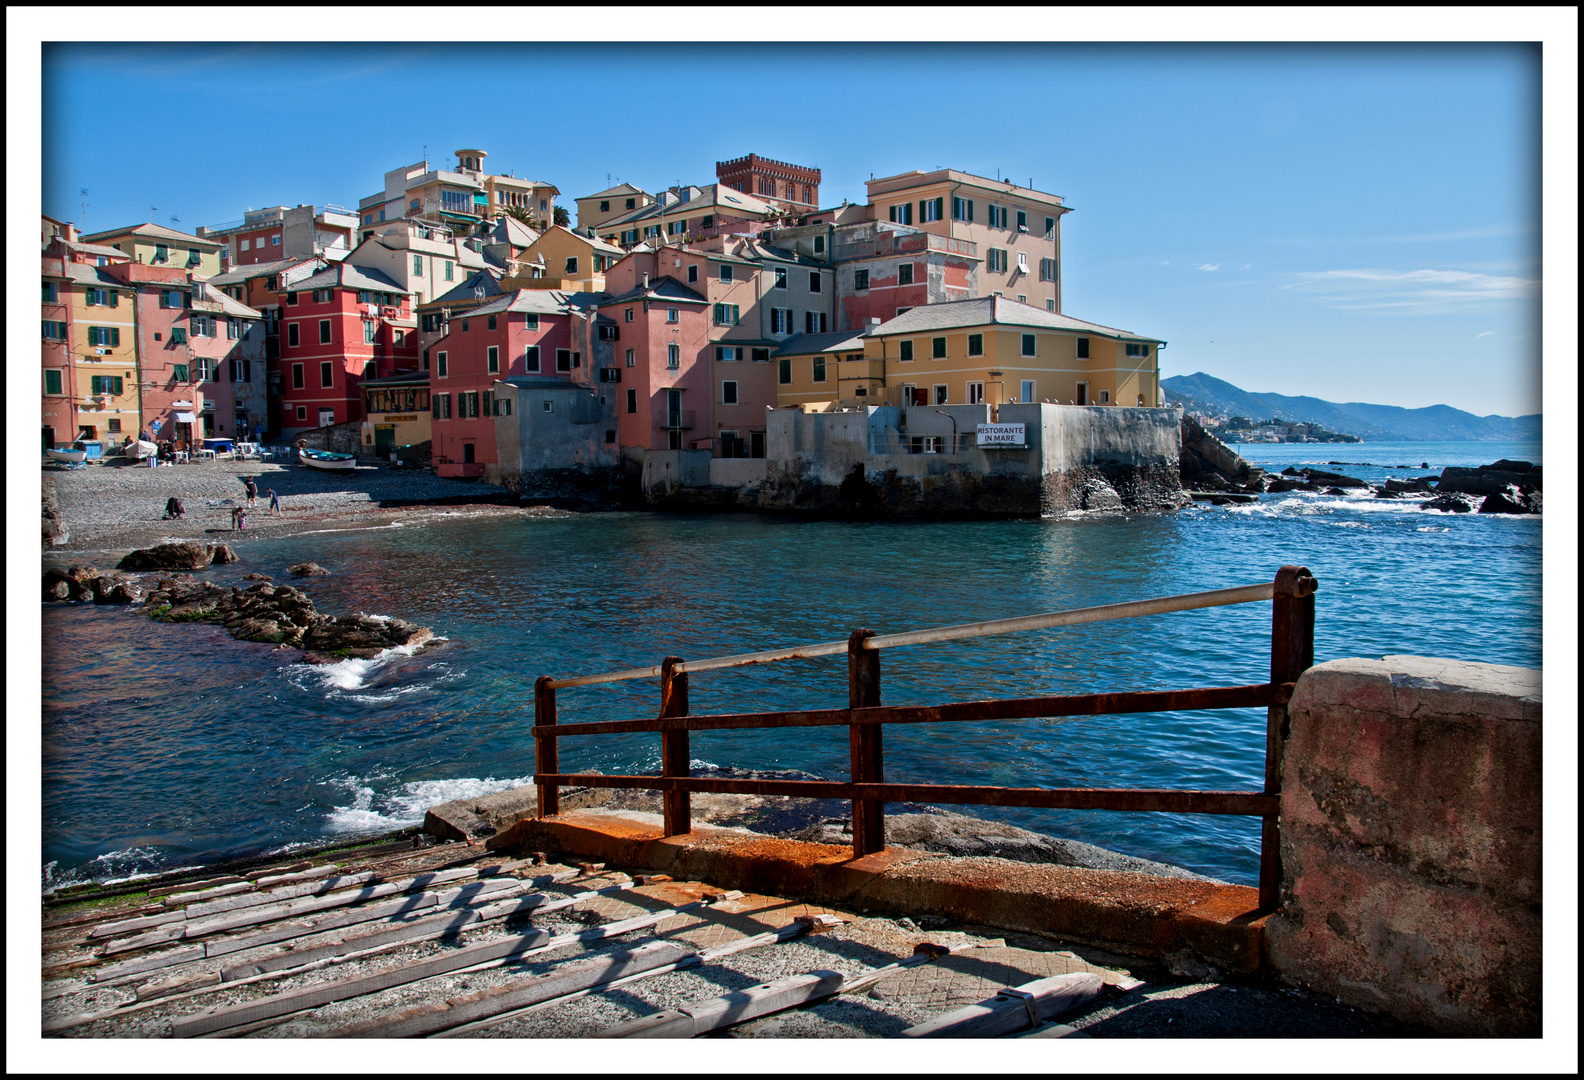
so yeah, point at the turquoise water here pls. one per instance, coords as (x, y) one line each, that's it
(171, 745)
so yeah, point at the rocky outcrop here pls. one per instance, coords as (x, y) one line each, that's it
(82, 584)
(1208, 464)
(282, 615)
(222, 553)
(1491, 479)
(1453, 503)
(1398, 489)
(307, 569)
(1511, 500)
(55, 531)
(185, 556)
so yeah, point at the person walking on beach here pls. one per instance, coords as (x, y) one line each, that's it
(251, 486)
(274, 507)
(174, 507)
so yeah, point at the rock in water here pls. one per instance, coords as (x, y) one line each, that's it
(360, 637)
(1510, 500)
(1452, 503)
(307, 569)
(187, 556)
(222, 553)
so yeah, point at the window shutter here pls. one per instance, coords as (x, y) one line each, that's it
(893, 213)
(923, 210)
(115, 298)
(970, 209)
(115, 335)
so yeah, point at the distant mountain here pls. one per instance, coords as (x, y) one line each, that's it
(1379, 423)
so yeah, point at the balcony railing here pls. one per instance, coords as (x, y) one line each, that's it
(679, 421)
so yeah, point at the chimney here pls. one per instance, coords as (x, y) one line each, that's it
(646, 281)
(874, 324)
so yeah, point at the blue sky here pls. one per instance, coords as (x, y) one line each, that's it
(1356, 222)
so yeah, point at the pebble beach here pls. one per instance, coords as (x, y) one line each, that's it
(117, 507)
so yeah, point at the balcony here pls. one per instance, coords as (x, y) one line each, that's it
(679, 421)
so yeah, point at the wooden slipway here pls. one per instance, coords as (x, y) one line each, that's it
(455, 941)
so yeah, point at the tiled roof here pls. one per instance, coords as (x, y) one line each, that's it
(666, 288)
(623, 188)
(90, 275)
(160, 232)
(238, 275)
(805, 344)
(95, 249)
(234, 308)
(351, 277)
(992, 310)
(508, 230)
(531, 301)
(464, 292)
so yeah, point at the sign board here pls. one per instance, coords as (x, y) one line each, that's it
(155, 426)
(1000, 435)
(395, 419)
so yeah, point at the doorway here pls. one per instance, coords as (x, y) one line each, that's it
(384, 439)
(1083, 394)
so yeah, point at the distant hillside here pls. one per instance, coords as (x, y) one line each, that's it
(1204, 393)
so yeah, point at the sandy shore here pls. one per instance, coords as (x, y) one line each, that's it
(113, 508)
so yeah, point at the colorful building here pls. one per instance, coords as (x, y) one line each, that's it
(809, 370)
(89, 351)
(344, 324)
(427, 260)
(156, 245)
(1016, 230)
(275, 233)
(987, 350)
(395, 413)
(572, 261)
(595, 210)
(663, 387)
(463, 196)
(688, 214)
(780, 183)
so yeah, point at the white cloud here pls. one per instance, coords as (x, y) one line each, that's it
(1411, 291)
(1208, 266)
(1483, 333)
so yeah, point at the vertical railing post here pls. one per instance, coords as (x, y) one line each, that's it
(866, 743)
(1292, 652)
(674, 754)
(546, 756)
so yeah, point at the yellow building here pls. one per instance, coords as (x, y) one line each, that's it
(395, 413)
(602, 206)
(104, 351)
(576, 262)
(155, 245)
(989, 349)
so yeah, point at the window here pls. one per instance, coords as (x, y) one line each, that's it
(100, 335)
(531, 322)
(1050, 228)
(91, 297)
(448, 270)
(291, 298)
(1022, 264)
(326, 373)
(673, 357)
(1105, 397)
(707, 221)
(563, 359)
(609, 332)
(178, 335)
(729, 392)
(323, 296)
(905, 274)
(727, 353)
(492, 322)
(1022, 299)
(902, 215)
(819, 244)
(819, 369)
(693, 272)
(604, 205)
(161, 253)
(940, 394)
(179, 372)
(725, 314)
(814, 281)
(205, 370)
(673, 315)
(113, 425)
(931, 209)
(571, 264)
(468, 405)
(297, 377)
(531, 358)
(632, 204)
(860, 280)
(996, 260)
(55, 330)
(725, 272)
(442, 369)
(272, 283)
(111, 384)
(324, 331)
(975, 393)
(233, 329)
(275, 240)
(417, 264)
(975, 344)
(245, 242)
(1050, 305)
(780, 320)
(1047, 270)
(905, 351)
(784, 371)
(548, 407)
(1083, 348)
(1028, 390)
(938, 348)
(1022, 221)
(962, 209)
(761, 356)
(1029, 345)
(632, 360)
(369, 329)
(440, 406)
(629, 236)
(302, 412)
(780, 277)
(52, 381)
(998, 220)
(167, 298)
(492, 361)
(1138, 350)
(632, 401)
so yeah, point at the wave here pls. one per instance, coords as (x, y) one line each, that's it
(111, 868)
(372, 810)
(354, 674)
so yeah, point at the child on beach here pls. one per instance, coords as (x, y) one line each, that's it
(274, 507)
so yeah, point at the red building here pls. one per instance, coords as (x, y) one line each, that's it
(527, 332)
(340, 326)
(662, 357)
(792, 186)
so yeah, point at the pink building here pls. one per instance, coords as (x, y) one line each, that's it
(662, 354)
(535, 333)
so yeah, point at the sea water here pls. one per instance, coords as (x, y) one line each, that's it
(175, 745)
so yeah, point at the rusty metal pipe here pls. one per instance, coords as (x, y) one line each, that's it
(1132, 610)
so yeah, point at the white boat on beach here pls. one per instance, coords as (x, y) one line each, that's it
(137, 450)
(325, 459)
(71, 457)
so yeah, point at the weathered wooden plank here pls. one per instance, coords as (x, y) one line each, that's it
(491, 954)
(151, 962)
(566, 979)
(166, 987)
(305, 875)
(204, 883)
(182, 899)
(124, 926)
(1005, 1013)
(293, 908)
(276, 871)
(173, 931)
(285, 892)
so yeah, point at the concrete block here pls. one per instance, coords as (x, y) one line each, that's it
(1411, 842)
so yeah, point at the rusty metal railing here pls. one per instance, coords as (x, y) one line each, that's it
(1292, 651)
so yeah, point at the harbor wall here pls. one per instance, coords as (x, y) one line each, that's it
(1411, 804)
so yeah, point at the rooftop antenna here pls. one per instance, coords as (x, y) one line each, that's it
(84, 206)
